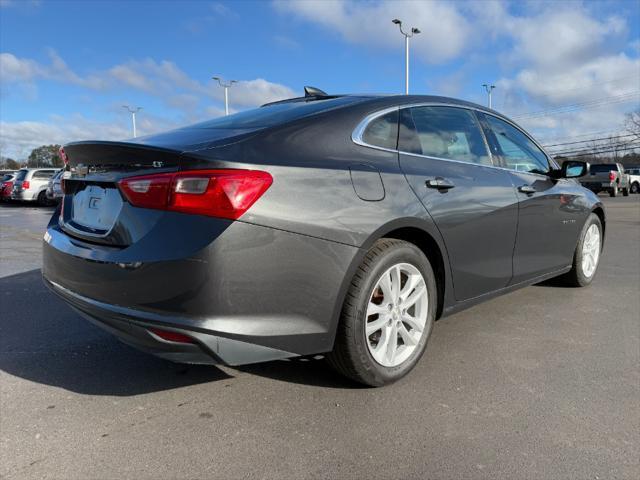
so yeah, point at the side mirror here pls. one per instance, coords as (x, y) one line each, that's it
(574, 169)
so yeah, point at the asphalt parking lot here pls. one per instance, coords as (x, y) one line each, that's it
(542, 383)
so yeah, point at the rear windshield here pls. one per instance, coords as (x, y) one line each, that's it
(21, 175)
(607, 167)
(7, 177)
(275, 114)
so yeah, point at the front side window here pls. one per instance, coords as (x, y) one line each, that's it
(444, 132)
(382, 131)
(516, 149)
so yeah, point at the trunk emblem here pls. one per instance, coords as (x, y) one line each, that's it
(94, 202)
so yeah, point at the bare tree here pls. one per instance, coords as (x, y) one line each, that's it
(632, 123)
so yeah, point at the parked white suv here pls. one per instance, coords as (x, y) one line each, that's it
(30, 184)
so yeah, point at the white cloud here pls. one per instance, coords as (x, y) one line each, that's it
(445, 30)
(14, 69)
(17, 139)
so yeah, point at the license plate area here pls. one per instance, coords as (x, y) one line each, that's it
(95, 209)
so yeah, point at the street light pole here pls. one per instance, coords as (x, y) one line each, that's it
(488, 89)
(133, 112)
(407, 36)
(226, 92)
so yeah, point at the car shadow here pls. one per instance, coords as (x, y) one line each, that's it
(19, 204)
(304, 371)
(42, 340)
(555, 282)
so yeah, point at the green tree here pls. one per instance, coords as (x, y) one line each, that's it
(45, 156)
(7, 163)
(11, 164)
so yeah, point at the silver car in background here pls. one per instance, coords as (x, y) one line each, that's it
(30, 184)
(54, 188)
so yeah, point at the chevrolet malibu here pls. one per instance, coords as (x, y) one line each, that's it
(336, 225)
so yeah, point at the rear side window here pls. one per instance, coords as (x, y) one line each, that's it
(516, 149)
(43, 174)
(444, 132)
(602, 168)
(383, 131)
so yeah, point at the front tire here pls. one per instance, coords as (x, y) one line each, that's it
(625, 192)
(635, 188)
(587, 255)
(387, 316)
(614, 191)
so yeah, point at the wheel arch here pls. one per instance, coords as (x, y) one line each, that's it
(428, 245)
(417, 231)
(599, 211)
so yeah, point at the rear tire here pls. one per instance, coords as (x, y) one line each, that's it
(42, 199)
(625, 192)
(635, 188)
(614, 191)
(582, 273)
(357, 339)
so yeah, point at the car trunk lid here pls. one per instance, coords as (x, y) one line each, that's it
(94, 208)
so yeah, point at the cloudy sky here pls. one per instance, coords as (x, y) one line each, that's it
(564, 70)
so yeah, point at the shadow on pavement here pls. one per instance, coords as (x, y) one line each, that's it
(302, 371)
(555, 282)
(44, 341)
(34, 205)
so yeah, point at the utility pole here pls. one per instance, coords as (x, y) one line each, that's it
(133, 111)
(488, 89)
(226, 87)
(407, 36)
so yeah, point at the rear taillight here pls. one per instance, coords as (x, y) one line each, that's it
(612, 176)
(215, 193)
(25, 184)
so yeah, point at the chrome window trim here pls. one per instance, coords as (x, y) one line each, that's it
(356, 135)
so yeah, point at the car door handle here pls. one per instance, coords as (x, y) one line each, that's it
(439, 183)
(528, 189)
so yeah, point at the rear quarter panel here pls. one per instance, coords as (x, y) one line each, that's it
(312, 192)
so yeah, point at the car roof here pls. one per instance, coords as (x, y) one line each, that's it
(381, 101)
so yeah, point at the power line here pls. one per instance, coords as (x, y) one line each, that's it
(574, 106)
(584, 148)
(590, 140)
(604, 149)
(601, 132)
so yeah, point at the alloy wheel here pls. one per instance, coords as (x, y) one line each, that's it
(591, 251)
(396, 314)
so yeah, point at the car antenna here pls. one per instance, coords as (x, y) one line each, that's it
(314, 92)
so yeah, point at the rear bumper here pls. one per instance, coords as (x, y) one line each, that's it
(23, 195)
(251, 294)
(597, 186)
(133, 328)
